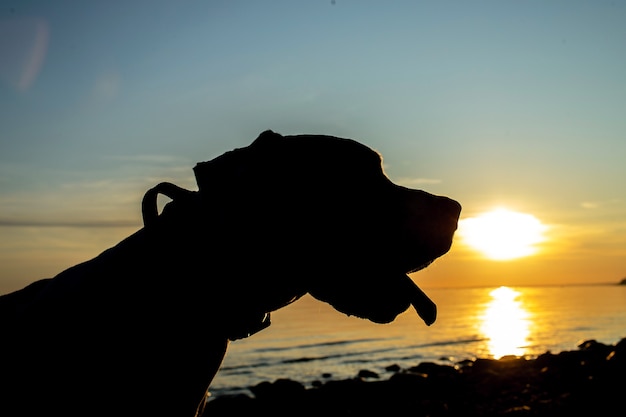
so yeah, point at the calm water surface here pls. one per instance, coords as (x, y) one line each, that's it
(308, 338)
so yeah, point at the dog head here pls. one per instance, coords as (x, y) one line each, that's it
(317, 214)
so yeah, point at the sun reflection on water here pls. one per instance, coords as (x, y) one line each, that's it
(505, 323)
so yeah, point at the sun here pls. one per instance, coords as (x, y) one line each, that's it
(502, 234)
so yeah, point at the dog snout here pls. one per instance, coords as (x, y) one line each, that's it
(429, 224)
(449, 208)
(437, 208)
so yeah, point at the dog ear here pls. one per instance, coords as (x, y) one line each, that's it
(238, 163)
(267, 138)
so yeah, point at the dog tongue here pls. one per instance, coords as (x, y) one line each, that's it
(424, 306)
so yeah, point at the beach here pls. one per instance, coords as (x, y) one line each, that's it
(590, 378)
(309, 339)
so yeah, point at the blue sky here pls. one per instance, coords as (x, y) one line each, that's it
(494, 103)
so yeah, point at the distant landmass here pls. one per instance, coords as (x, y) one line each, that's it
(622, 282)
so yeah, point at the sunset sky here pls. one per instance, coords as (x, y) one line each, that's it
(497, 104)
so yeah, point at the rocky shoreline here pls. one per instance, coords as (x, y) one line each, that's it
(591, 379)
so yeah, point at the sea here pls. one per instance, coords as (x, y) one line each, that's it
(309, 341)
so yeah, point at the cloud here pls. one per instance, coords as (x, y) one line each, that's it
(135, 166)
(412, 182)
(91, 202)
(147, 158)
(88, 199)
(611, 204)
(589, 205)
(86, 203)
(25, 222)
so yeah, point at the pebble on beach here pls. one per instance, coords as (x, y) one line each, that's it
(590, 380)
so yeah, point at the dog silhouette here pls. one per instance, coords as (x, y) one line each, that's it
(142, 328)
